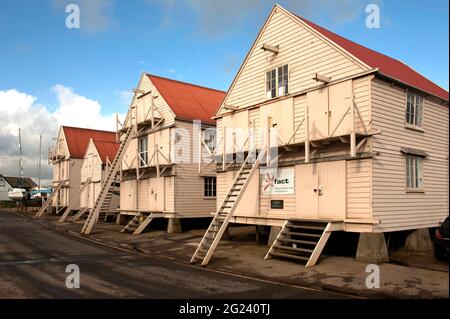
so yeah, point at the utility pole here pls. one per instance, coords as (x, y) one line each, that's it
(20, 160)
(40, 159)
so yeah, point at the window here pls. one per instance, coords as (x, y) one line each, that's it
(414, 109)
(271, 84)
(210, 187)
(143, 151)
(277, 82)
(209, 136)
(283, 80)
(2, 181)
(414, 172)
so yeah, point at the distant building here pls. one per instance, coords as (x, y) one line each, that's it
(8, 182)
(67, 159)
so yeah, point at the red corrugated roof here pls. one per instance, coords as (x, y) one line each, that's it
(106, 149)
(78, 138)
(189, 101)
(388, 66)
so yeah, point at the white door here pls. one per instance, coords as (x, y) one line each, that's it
(317, 101)
(321, 190)
(339, 108)
(332, 190)
(156, 196)
(306, 179)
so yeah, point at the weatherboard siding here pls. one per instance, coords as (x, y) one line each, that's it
(189, 184)
(359, 189)
(140, 106)
(392, 205)
(305, 52)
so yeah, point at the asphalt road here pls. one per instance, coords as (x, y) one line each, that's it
(33, 260)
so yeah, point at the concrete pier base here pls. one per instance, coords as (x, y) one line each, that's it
(174, 226)
(372, 248)
(226, 234)
(274, 231)
(419, 241)
(262, 234)
(121, 219)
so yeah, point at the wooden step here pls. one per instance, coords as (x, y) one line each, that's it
(305, 227)
(302, 234)
(289, 256)
(305, 250)
(306, 242)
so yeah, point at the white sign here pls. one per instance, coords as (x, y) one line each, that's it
(279, 181)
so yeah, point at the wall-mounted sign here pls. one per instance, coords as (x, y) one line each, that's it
(277, 204)
(278, 181)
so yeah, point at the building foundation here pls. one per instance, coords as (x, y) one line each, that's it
(419, 241)
(174, 226)
(274, 231)
(372, 248)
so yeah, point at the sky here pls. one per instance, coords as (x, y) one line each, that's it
(51, 75)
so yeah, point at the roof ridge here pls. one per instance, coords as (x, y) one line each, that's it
(86, 129)
(102, 141)
(183, 82)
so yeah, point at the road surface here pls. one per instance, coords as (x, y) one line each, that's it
(34, 257)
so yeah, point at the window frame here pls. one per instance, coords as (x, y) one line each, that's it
(278, 82)
(412, 116)
(209, 187)
(143, 160)
(414, 173)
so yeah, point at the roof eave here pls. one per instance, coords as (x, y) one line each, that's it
(385, 76)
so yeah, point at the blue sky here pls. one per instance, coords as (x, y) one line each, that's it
(199, 41)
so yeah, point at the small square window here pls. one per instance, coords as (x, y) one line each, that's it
(277, 82)
(210, 187)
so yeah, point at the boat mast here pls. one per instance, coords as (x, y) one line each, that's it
(40, 159)
(20, 160)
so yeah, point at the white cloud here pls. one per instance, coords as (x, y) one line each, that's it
(21, 110)
(125, 97)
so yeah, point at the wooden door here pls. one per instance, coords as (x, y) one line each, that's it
(156, 194)
(306, 181)
(339, 108)
(332, 190)
(236, 131)
(321, 190)
(318, 113)
(279, 117)
(128, 195)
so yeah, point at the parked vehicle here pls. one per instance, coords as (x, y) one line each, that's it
(441, 241)
(17, 194)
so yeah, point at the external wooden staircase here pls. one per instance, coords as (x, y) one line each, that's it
(105, 209)
(139, 222)
(42, 211)
(108, 183)
(225, 212)
(79, 214)
(74, 200)
(302, 240)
